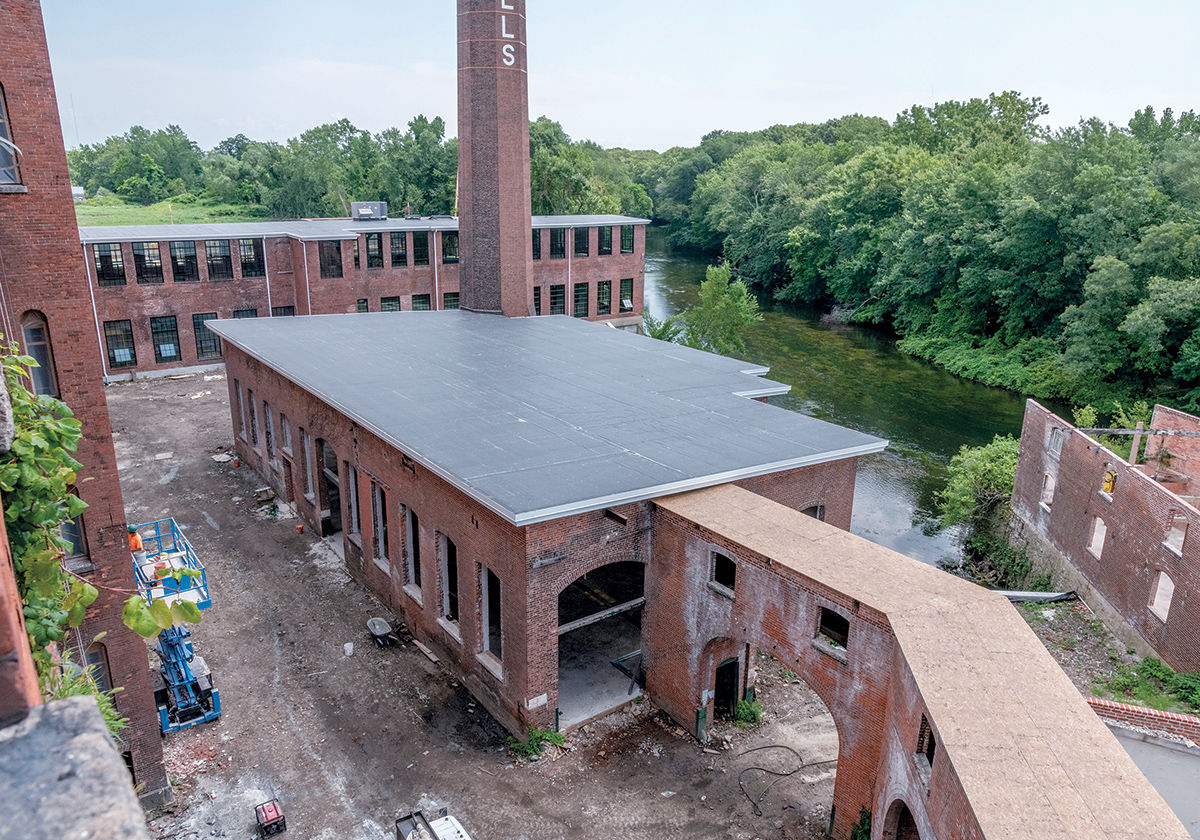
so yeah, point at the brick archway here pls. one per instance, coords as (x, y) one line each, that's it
(899, 823)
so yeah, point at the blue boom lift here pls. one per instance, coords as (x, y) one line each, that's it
(183, 686)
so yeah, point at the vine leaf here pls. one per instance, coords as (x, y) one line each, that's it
(186, 611)
(161, 612)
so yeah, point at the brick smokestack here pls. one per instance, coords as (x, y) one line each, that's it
(493, 158)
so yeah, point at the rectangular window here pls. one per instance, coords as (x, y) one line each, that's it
(537, 300)
(421, 303)
(147, 262)
(449, 300)
(604, 245)
(399, 249)
(241, 409)
(579, 306)
(491, 613)
(583, 241)
(282, 311)
(307, 454)
(537, 244)
(834, 628)
(352, 498)
(220, 263)
(10, 172)
(412, 547)
(449, 247)
(449, 579)
(36, 333)
(208, 345)
(363, 306)
(420, 247)
(110, 265)
(118, 336)
(251, 252)
(164, 335)
(253, 418)
(627, 294)
(285, 432)
(374, 250)
(379, 525)
(626, 239)
(72, 533)
(389, 304)
(329, 254)
(604, 297)
(245, 313)
(183, 261)
(558, 300)
(356, 252)
(558, 243)
(723, 571)
(269, 430)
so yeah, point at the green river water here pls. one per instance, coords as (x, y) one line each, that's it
(857, 378)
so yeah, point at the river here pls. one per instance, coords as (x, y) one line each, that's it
(856, 377)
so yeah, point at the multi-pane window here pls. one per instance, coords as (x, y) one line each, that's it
(118, 337)
(449, 300)
(208, 345)
(450, 247)
(537, 244)
(110, 265)
(147, 262)
(164, 335)
(604, 297)
(220, 262)
(558, 300)
(183, 261)
(420, 247)
(329, 254)
(583, 241)
(558, 243)
(580, 305)
(449, 579)
(374, 250)
(356, 252)
(412, 546)
(73, 534)
(389, 304)
(491, 612)
(36, 334)
(352, 498)
(626, 239)
(421, 303)
(399, 249)
(282, 311)
(251, 252)
(604, 245)
(363, 305)
(245, 313)
(10, 172)
(627, 294)
(380, 548)
(537, 300)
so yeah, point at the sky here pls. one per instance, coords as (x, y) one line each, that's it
(644, 74)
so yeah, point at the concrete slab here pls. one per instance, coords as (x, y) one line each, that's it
(1173, 770)
(589, 685)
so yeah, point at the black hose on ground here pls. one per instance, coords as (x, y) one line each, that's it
(755, 801)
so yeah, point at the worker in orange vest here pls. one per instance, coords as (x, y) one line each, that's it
(136, 548)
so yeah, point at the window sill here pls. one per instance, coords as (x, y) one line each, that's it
(451, 628)
(1044, 506)
(723, 591)
(491, 664)
(1105, 496)
(382, 565)
(829, 650)
(1160, 616)
(1178, 552)
(924, 771)
(80, 564)
(1093, 552)
(13, 188)
(355, 539)
(413, 592)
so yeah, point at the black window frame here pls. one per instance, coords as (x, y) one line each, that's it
(579, 295)
(124, 341)
(375, 250)
(585, 240)
(627, 239)
(283, 311)
(10, 166)
(220, 262)
(621, 307)
(206, 339)
(537, 243)
(357, 265)
(422, 303)
(558, 243)
(109, 263)
(329, 258)
(449, 247)
(248, 312)
(399, 256)
(363, 305)
(252, 257)
(493, 629)
(185, 267)
(420, 249)
(537, 300)
(161, 327)
(561, 307)
(389, 304)
(450, 300)
(147, 263)
(604, 240)
(604, 297)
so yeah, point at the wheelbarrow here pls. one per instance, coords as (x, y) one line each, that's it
(381, 632)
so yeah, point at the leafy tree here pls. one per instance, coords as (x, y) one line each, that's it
(664, 329)
(718, 322)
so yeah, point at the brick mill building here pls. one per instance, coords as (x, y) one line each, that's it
(563, 510)
(45, 304)
(154, 287)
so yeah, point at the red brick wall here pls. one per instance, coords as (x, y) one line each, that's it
(1185, 726)
(1183, 452)
(830, 485)
(591, 270)
(18, 678)
(43, 270)
(1136, 518)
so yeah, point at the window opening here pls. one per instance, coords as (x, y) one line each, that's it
(723, 571)
(375, 250)
(627, 294)
(251, 253)
(449, 247)
(208, 344)
(1099, 532)
(220, 263)
(558, 243)
(449, 579)
(580, 305)
(420, 247)
(110, 264)
(1176, 531)
(626, 239)
(604, 245)
(329, 255)
(184, 266)
(491, 613)
(147, 262)
(118, 337)
(36, 334)
(399, 241)
(1164, 591)
(412, 546)
(834, 628)
(583, 241)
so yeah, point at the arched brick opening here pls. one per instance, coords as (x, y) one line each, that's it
(899, 823)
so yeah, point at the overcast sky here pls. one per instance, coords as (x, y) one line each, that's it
(644, 74)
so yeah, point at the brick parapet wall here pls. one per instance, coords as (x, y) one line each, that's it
(1185, 726)
(1183, 452)
(18, 678)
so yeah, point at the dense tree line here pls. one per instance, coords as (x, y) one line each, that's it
(1063, 264)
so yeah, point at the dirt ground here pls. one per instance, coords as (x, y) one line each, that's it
(348, 742)
(1078, 641)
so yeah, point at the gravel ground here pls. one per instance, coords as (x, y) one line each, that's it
(1078, 641)
(349, 742)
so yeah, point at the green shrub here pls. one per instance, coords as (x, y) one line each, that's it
(532, 745)
(748, 713)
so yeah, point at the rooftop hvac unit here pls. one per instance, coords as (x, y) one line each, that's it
(365, 211)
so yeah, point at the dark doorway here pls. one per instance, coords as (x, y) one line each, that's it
(725, 694)
(331, 492)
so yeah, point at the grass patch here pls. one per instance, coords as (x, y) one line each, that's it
(1152, 683)
(748, 714)
(110, 210)
(533, 744)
